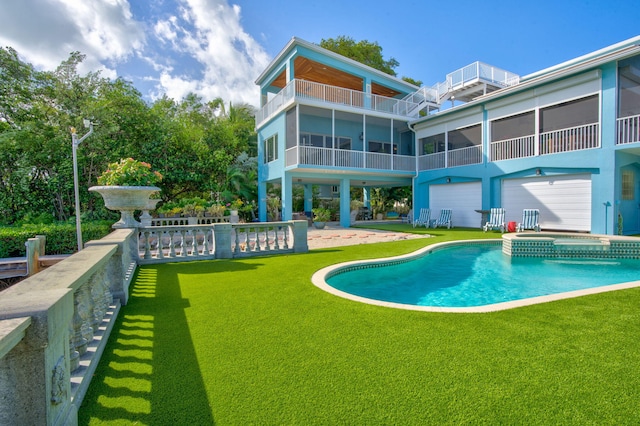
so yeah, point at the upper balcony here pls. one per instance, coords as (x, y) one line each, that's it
(334, 95)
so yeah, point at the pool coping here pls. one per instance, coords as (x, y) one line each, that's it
(318, 279)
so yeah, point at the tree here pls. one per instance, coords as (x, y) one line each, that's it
(364, 51)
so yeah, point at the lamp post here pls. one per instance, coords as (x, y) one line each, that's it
(75, 142)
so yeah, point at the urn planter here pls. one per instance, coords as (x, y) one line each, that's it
(126, 200)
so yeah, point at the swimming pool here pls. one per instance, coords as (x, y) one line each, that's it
(475, 277)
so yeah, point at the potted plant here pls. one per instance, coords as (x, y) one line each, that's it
(320, 217)
(127, 186)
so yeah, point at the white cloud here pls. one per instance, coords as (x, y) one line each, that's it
(44, 32)
(211, 33)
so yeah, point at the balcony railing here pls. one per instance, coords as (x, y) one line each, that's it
(330, 157)
(557, 141)
(303, 89)
(456, 157)
(628, 129)
(508, 149)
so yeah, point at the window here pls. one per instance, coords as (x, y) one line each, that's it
(628, 187)
(629, 87)
(271, 149)
(432, 144)
(513, 127)
(569, 114)
(382, 147)
(324, 141)
(465, 137)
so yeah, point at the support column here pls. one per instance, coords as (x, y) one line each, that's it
(286, 197)
(365, 197)
(308, 197)
(345, 203)
(262, 201)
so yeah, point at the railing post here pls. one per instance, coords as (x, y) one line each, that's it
(222, 236)
(33, 255)
(300, 244)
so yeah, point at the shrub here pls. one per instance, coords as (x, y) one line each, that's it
(61, 237)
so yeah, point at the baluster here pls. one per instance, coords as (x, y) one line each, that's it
(194, 244)
(266, 239)
(160, 254)
(236, 238)
(286, 237)
(97, 296)
(205, 242)
(275, 238)
(172, 249)
(147, 245)
(183, 249)
(257, 231)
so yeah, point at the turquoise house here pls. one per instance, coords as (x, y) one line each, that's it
(564, 140)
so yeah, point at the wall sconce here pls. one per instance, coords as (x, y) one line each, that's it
(538, 172)
(364, 183)
(448, 180)
(361, 136)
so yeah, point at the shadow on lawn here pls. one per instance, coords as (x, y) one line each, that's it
(149, 372)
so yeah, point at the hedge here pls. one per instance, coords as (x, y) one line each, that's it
(61, 237)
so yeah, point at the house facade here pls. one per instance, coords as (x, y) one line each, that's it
(564, 140)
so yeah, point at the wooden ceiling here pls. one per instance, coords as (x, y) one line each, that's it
(306, 69)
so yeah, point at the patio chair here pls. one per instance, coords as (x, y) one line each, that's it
(408, 218)
(496, 220)
(423, 219)
(444, 219)
(530, 218)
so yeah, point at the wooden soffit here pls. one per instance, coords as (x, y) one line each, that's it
(307, 69)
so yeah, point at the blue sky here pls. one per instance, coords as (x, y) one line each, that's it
(217, 48)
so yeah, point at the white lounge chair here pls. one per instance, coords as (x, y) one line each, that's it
(444, 219)
(496, 220)
(530, 218)
(423, 219)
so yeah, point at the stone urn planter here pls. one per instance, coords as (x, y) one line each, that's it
(319, 225)
(126, 200)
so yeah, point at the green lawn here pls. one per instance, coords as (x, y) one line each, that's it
(254, 342)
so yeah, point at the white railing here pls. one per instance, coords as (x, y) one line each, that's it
(432, 161)
(182, 242)
(336, 95)
(159, 244)
(375, 160)
(628, 129)
(479, 70)
(315, 156)
(509, 149)
(349, 158)
(465, 156)
(571, 139)
(404, 162)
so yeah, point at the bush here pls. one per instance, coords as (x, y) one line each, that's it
(61, 237)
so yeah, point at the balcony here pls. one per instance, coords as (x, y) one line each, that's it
(628, 130)
(557, 141)
(330, 157)
(307, 90)
(452, 158)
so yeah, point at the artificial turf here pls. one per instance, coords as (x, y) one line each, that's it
(252, 341)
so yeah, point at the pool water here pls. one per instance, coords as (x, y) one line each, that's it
(477, 275)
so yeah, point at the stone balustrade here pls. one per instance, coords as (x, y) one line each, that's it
(55, 324)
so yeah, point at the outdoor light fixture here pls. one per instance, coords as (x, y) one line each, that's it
(448, 180)
(361, 136)
(538, 172)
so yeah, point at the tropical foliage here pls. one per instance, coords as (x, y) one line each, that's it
(195, 145)
(129, 172)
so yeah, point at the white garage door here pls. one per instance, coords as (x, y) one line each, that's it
(462, 198)
(564, 201)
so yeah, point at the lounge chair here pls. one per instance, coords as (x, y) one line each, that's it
(530, 219)
(423, 219)
(496, 220)
(408, 218)
(444, 219)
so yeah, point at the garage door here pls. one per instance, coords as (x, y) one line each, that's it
(564, 201)
(462, 198)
